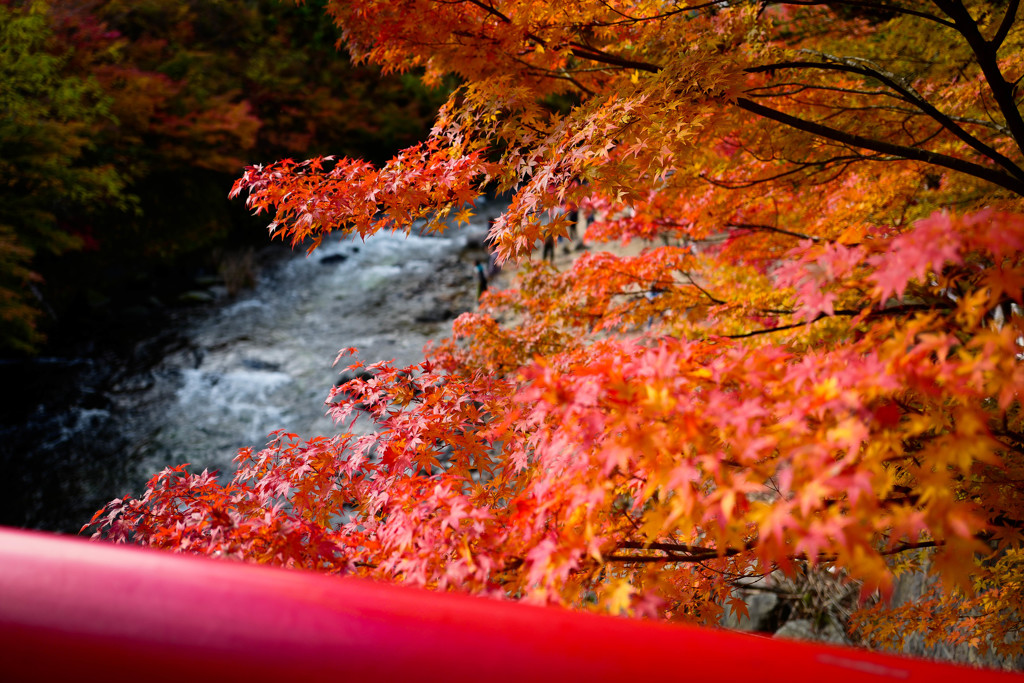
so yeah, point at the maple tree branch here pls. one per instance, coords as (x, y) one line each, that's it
(650, 559)
(578, 49)
(872, 5)
(757, 227)
(493, 11)
(767, 330)
(905, 547)
(797, 87)
(907, 94)
(572, 79)
(638, 20)
(560, 74)
(845, 160)
(675, 552)
(1011, 446)
(845, 313)
(1004, 27)
(703, 291)
(986, 54)
(994, 125)
(595, 55)
(822, 558)
(910, 153)
(667, 547)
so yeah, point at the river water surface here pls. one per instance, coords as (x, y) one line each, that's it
(85, 429)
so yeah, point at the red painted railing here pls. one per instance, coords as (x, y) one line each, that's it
(71, 610)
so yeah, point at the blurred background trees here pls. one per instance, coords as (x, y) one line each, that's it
(123, 124)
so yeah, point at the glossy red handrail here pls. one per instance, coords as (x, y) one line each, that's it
(77, 611)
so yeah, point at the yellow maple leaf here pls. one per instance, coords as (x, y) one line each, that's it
(620, 597)
(463, 216)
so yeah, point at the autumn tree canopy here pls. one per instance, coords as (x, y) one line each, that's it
(815, 361)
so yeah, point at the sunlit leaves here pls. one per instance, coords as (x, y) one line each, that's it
(805, 351)
(308, 200)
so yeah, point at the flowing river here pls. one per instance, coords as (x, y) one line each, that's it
(79, 431)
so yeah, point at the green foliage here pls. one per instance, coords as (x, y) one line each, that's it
(48, 122)
(125, 122)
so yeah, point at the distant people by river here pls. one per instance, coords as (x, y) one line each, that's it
(481, 279)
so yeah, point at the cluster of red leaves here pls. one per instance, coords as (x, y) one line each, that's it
(819, 366)
(424, 182)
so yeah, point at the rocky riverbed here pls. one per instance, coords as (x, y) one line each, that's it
(222, 372)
